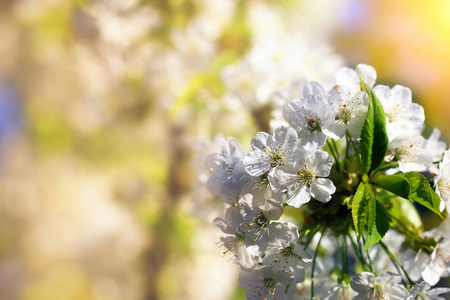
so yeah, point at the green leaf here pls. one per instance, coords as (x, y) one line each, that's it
(396, 184)
(366, 143)
(371, 207)
(421, 192)
(380, 228)
(374, 139)
(359, 206)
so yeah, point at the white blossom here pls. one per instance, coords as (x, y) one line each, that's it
(299, 177)
(436, 147)
(285, 254)
(224, 176)
(439, 264)
(350, 110)
(384, 287)
(341, 291)
(311, 116)
(442, 180)
(401, 114)
(350, 79)
(264, 283)
(283, 95)
(423, 291)
(410, 152)
(235, 245)
(415, 262)
(270, 151)
(256, 220)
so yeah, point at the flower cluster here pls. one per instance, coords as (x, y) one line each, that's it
(324, 204)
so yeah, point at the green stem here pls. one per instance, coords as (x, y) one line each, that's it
(385, 167)
(335, 148)
(310, 238)
(334, 154)
(357, 253)
(370, 260)
(347, 145)
(396, 262)
(344, 257)
(314, 262)
(404, 229)
(358, 157)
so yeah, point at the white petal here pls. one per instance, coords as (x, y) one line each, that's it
(361, 282)
(338, 129)
(272, 209)
(437, 291)
(219, 222)
(383, 93)
(348, 78)
(402, 94)
(313, 88)
(233, 217)
(322, 188)
(321, 163)
(331, 133)
(245, 257)
(286, 138)
(415, 114)
(233, 148)
(297, 196)
(249, 279)
(286, 233)
(260, 140)
(368, 73)
(431, 275)
(260, 240)
(293, 117)
(257, 163)
(397, 292)
(280, 178)
(313, 141)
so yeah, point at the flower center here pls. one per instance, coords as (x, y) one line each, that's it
(306, 177)
(407, 152)
(393, 114)
(269, 283)
(422, 296)
(276, 157)
(225, 164)
(232, 246)
(288, 251)
(268, 289)
(378, 291)
(344, 114)
(314, 125)
(261, 221)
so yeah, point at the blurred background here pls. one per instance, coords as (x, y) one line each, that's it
(108, 108)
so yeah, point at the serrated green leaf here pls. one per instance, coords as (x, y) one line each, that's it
(396, 184)
(380, 228)
(421, 192)
(371, 210)
(374, 139)
(366, 143)
(380, 141)
(359, 206)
